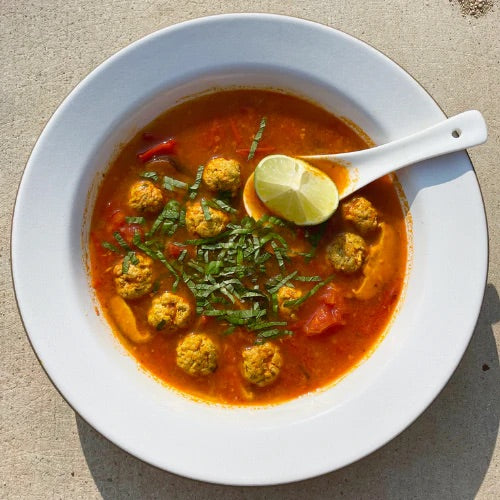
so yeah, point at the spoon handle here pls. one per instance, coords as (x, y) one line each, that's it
(454, 134)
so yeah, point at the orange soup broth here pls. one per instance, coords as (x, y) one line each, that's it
(224, 124)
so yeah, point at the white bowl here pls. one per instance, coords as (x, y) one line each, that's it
(313, 434)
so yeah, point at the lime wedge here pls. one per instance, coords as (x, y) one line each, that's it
(295, 190)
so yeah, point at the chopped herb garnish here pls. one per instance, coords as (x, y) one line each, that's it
(222, 205)
(133, 258)
(161, 324)
(206, 210)
(150, 175)
(257, 138)
(229, 330)
(118, 237)
(109, 246)
(282, 282)
(135, 220)
(193, 189)
(170, 183)
(314, 235)
(310, 293)
(170, 214)
(307, 278)
(127, 260)
(234, 276)
(272, 333)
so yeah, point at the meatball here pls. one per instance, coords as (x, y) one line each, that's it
(144, 196)
(197, 354)
(198, 225)
(361, 213)
(262, 364)
(137, 281)
(286, 293)
(169, 312)
(347, 252)
(222, 175)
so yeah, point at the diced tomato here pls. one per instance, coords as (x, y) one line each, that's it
(115, 220)
(324, 318)
(128, 231)
(174, 250)
(332, 296)
(300, 233)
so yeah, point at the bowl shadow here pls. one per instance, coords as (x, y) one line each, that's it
(444, 454)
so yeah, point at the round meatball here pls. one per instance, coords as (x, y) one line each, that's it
(222, 175)
(262, 364)
(198, 225)
(361, 213)
(169, 312)
(144, 196)
(197, 354)
(137, 281)
(286, 293)
(347, 252)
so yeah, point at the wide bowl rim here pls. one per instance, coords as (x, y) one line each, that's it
(278, 476)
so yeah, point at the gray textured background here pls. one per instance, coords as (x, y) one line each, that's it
(450, 452)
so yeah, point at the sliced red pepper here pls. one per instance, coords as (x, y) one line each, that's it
(164, 148)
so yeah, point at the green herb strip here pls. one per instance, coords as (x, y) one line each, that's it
(206, 210)
(109, 246)
(272, 333)
(130, 258)
(257, 138)
(135, 220)
(310, 293)
(170, 183)
(193, 189)
(126, 264)
(222, 205)
(118, 237)
(150, 175)
(167, 219)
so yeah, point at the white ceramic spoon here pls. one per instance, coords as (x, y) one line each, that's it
(454, 134)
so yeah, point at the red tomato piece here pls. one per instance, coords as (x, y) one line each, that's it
(324, 318)
(128, 231)
(174, 250)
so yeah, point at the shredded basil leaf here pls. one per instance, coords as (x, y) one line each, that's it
(310, 293)
(193, 189)
(206, 210)
(109, 246)
(118, 237)
(150, 175)
(135, 220)
(170, 183)
(257, 138)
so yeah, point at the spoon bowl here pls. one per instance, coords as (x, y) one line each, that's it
(454, 134)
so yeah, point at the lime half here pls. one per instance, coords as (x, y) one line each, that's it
(295, 190)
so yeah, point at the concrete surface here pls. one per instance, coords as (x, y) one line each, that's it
(450, 452)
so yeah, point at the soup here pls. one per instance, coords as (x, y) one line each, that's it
(224, 307)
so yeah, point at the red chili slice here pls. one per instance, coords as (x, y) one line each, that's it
(164, 148)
